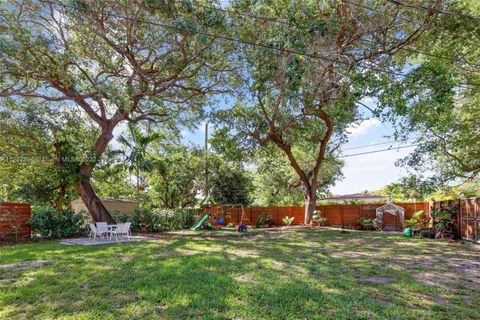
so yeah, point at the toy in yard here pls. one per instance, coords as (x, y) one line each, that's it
(219, 223)
(408, 232)
(200, 223)
(208, 201)
(203, 221)
(242, 228)
(244, 220)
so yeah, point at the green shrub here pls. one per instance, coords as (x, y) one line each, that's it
(288, 220)
(264, 219)
(368, 224)
(49, 223)
(317, 217)
(426, 233)
(159, 220)
(444, 219)
(419, 220)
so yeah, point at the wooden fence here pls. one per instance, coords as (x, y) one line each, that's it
(467, 222)
(14, 219)
(346, 216)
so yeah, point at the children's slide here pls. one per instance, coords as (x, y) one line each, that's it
(199, 223)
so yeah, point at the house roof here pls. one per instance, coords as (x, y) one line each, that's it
(358, 196)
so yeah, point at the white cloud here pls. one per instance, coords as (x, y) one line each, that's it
(362, 127)
(371, 171)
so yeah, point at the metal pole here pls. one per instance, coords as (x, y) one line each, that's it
(206, 160)
(461, 218)
(475, 218)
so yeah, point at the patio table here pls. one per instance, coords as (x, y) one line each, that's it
(111, 228)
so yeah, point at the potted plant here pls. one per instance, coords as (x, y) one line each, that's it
(317, 219)
(443, 219)
(288, 220)
(264, 220)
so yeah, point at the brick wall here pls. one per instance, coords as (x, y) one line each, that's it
(14, 219)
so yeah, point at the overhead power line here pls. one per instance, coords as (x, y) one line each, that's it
(372, 145)
(430, 9)
(242, 41)
(290, 24)
(376, 151)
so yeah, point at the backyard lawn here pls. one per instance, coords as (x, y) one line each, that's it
(295, 274)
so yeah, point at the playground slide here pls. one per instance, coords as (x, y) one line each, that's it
(199, 223)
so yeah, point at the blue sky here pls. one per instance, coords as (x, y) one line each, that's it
(362, 172)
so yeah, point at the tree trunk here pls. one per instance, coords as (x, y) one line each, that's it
(310, 206)
(60, 197)
(92, 202)
(84, 187)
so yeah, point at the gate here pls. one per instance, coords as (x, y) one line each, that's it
(469, 219)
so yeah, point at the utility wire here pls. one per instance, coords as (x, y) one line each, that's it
(371, 145)
(287, 23)
(237, 40)
(376, 151)
(420, 6)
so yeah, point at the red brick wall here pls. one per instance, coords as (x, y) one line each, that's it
(13, 222)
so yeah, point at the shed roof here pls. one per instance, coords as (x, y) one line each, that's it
(390, 207)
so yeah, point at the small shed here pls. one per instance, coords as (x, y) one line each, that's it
(390, 217)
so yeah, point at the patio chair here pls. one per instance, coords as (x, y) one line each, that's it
(123, 229)
(102, 228)
(94, 231)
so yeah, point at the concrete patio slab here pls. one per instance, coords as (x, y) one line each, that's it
(98, 241)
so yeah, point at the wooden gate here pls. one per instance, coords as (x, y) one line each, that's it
(469, 219)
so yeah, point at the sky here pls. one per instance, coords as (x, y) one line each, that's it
(361, 172)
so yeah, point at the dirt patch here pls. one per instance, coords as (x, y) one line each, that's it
(242, 253)
(245, 278)
(25, 265)
(432, 280)
(428, 300)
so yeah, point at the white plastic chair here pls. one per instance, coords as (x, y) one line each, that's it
(102, 228)
(94, 232)
(123, 229)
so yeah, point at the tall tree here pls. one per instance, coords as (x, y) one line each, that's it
(108, 60)
(136, 146)
(39, 148)
(439, 98)
(277, 183)
(304, 88)
(177, 175)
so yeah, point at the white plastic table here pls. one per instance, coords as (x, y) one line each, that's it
(111, 229)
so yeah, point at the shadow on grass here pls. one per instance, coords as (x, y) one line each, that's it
(304, 274)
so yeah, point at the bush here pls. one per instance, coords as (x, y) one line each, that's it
(419, 220)
(368, 224)
(159, 220)
(317, 217)
(49, 223)
(444, 219)
(288, 220)
(264, 219)
(426, 233)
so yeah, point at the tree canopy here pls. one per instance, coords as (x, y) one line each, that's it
(94, 97)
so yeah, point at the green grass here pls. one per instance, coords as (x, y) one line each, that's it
(299, 274)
